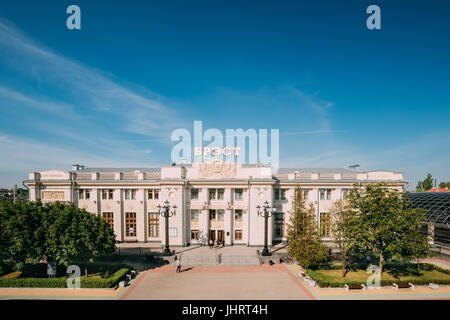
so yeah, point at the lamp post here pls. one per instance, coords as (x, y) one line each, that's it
(167, 211)
(265, 211)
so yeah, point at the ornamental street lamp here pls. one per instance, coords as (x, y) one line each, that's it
(265, 211)
(167, 211)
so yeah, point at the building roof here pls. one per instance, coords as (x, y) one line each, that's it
(435, 204)
(280, 170)
(316, 170)
(119, 170)
(439, 190)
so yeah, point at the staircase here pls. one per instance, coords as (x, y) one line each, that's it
(240, 260)
(219, 260)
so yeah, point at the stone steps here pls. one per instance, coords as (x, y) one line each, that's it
(219, 260)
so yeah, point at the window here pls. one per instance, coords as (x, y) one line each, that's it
(324, 224)
(194, 194)
(194, 234)
(109, 218)
(212, 194)
(345, 193)
(238, 235)
(84, 194)
(107, 194)
(212, 215)
(305, 194)
(220, 193)
(194, 214)
(280, 194)
(238, 194)
(325, 194)
(153, 194)
(130, 222)
(153, 224)
(130, 194)
(238, 215)
(220, 214)
(279, 224)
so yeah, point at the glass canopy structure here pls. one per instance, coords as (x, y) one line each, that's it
(436, 205)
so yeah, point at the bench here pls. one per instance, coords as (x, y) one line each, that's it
(433, 286)
(403, 286)
(310, 282)
(355, 287)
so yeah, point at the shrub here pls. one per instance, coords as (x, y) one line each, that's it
(62, 281)
(105, 282)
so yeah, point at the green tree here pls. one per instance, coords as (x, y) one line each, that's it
(73, 234)
(444, 185)
(302, 233)
(426, 184)
(383, 224)
(21, 233)
(341, 231)
(61, 232)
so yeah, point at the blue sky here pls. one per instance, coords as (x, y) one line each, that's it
(111, 93)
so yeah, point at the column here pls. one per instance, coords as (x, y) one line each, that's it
(140, 215)
(204, 225)
(228, 218)
(430, 232)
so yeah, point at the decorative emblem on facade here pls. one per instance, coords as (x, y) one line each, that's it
(217, 169)
(52, 195)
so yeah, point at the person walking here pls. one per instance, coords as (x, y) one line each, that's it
(178, 263)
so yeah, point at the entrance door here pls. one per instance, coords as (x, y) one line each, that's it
(212, 235)
(221, 236)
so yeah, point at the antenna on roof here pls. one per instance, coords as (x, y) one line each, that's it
(354, 166)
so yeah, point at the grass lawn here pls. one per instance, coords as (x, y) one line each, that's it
(361, 276)
(333, 277)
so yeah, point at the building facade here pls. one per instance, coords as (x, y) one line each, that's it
(215, 201)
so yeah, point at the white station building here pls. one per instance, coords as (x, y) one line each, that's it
(215, 200)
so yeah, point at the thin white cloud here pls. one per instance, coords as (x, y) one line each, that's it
(20, 156)
(39, 103)
(140, 112)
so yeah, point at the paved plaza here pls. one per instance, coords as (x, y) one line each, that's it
(219, 283)
(276, 282)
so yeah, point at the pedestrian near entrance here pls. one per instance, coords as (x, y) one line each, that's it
(178, 263)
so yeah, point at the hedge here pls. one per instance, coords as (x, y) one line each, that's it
(62, 282)
(341, 282)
